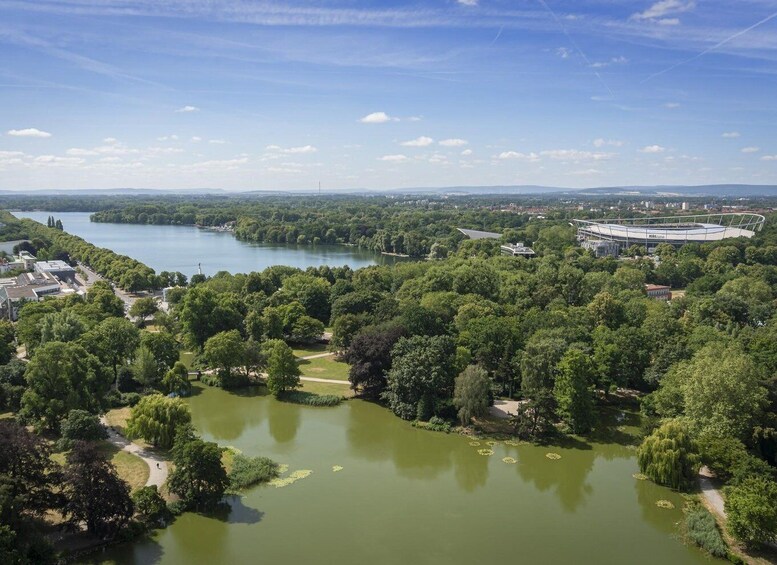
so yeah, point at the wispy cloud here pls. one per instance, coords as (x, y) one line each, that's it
(750, 149)
(187, 109)
(300, 150)
(601, 142)
(518, 156)
(393, 158)
(659, 10)
(453, 142)
(652, 149)
(422, 141)
(730, 134)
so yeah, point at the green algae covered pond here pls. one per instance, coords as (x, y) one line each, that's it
(406, 495)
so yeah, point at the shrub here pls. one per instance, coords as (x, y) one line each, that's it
(150, 504)
(751, 508)
(249, 471)
(703, 531)
(310, 399)
(130, 398)
(435, 424)
(80, 425)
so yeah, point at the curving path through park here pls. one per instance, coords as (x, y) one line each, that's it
(157, 467)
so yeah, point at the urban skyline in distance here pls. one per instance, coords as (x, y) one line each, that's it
(279, 96)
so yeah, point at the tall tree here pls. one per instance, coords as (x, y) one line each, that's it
(572, 390)
(114, 341)
(669, 456)
(199, 477)
(94, 493)
(62, 377)
(471, 392)
(282, 367)
(156, 418)
(751, 510)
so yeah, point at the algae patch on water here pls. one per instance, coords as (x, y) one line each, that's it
(486, 451)
(640, 476)
(553, 456)
(665, 504)
(281, 482)
(512, 443)
(336, 468)
(474, 443)
(510, 460)
(492, 443)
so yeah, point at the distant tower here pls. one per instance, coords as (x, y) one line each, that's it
(199, 268)
(319, 188)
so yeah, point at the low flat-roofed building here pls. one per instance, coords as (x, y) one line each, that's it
(517, 250)
(658, 291)
(57, 268)
(30, 287)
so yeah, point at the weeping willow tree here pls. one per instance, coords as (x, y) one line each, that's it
(669, 456)
(155, 419)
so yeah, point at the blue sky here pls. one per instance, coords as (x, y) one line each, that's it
(246, 95)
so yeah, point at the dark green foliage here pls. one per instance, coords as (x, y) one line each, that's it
(12, 384)
(702, 530)
(95, 496)
(199, 477)
(310, 399)
(150, 504)
(369, 356)
(751, 510)
(249, 471)
(572, 390)
(435, 424)
(80, 425)
(471, 393)
(282, 368)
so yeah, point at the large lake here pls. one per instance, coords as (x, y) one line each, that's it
(182, 248)
(409, 496)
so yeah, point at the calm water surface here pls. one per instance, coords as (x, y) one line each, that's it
(409, 496)
(181, 248)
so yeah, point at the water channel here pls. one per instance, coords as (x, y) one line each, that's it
(406, 495)
(182, 248)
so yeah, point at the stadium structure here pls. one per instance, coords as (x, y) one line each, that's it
(611, 236)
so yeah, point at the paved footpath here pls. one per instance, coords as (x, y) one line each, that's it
(157, 467)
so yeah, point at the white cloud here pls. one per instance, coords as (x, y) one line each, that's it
(467, 152)
(110, 140)
(586, 172)
(196, 139)
(769, 158)
(454, 142)
(393, 158)
(422, 141)
(601, 142)
(672, 105)
(220, 164)
(468, 2)
(168, 138)
(377, 118)
(730, 134)
(515, 155)
(28, 132)
(563, 52)
(187, 109)
(662, 8)
(750, 149)
(217, 141)
(620, 60)
(575, 155)
(414, 119)
(78, 152)
(652, 149)
(292, 150)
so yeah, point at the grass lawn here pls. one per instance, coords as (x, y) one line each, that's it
(309, 349)
(117, 418)
(327, 388)
(324, 368)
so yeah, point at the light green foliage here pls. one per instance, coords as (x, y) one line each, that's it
(572, 390)
(145, 368)
(471, 392)
(163, 346)
(142, 308)
(61, 326)
(669, 456)
(249, 471)
(751, 510)
(155, 419)
(703, 531)
(176, 380)
(722, 392)
(114, 341)
(62, 377)
(225, 351)
(282, 368)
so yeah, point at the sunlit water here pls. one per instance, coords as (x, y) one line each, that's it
(410, 496)
(182, 248)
